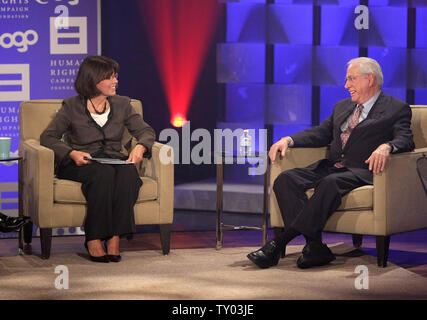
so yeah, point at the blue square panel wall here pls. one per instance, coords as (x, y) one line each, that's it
(420, 97)
(242, 1)
(398, 93)
(245, 102)
(329, 96)
(384, 3)
(421, 28)
(289, 104)
(337, 26)
(387, 27)
(419, 3)
(246, 22)
(331, 65)
(294, 1)
(283, 130)
(418, 69)
(352, 3)
(240, 62)
(290, 24)
(293, 64)
(393, 63)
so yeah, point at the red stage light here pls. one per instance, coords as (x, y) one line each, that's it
(180, 33)
(178, 121)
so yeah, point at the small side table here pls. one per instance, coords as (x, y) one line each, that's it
(220, 226)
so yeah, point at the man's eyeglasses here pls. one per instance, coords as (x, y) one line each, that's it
(352, 78)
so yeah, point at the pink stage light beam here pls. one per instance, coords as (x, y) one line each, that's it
(180, 33)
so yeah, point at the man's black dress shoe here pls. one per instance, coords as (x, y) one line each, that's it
(103, 258)
(315, 254)
(268, 255)
(12, 224)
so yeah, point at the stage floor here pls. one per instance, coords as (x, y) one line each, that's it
(407, 250)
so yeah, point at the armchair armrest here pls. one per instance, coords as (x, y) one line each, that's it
(164, 175)
(295, 158)
(400, 203)
(36, 181)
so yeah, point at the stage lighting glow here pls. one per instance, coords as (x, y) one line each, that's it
(180, 32)
(178, 121)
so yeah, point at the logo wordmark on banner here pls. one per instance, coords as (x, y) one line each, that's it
(19, 39)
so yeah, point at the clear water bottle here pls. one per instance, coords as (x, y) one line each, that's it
(245, 143)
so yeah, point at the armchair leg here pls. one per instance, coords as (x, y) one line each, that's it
(45, 241)
(165, 237)
(25, 235)
(278, 231)
(28, 232)
(357, 240)
(383, 243)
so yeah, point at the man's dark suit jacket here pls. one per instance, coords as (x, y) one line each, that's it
(388, 121)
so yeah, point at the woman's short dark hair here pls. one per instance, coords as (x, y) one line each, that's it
(93, 70)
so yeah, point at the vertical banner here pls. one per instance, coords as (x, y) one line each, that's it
(42, 44)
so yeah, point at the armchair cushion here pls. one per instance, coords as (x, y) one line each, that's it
(67, 191)
(358, 199)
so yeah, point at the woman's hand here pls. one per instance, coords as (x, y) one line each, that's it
(137, 154)
(78, 157)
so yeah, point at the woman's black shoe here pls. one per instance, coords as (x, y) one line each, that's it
(103, 258)
(267, 256)
(112, 257)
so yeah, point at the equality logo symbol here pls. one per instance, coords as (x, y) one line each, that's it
(70, 40)
(14, 82)
(19, 39)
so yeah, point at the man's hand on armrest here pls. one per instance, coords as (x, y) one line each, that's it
(378, 158)
(280, 146)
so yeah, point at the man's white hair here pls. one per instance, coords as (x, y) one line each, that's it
(368, 65)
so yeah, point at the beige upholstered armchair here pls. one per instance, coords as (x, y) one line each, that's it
(55, 203)
(395, 203)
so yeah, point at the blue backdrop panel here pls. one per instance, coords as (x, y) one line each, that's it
(384, 3)
(382, 32)
(294, 1)
(419, 3)
(293, 64)
(249, 22)
(398, 93)
(421, 97)
(283, 130)
(329, 96)
(337, 26)
(245, 102)
(321, 2)
(289, 104)
(352, 3)
(393, 64)
(241, 62)
(331, 65)
(418, 68)
(421, 27)
(242, 1)
(290, 24)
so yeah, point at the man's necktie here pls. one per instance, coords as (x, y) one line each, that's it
(346, 134)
